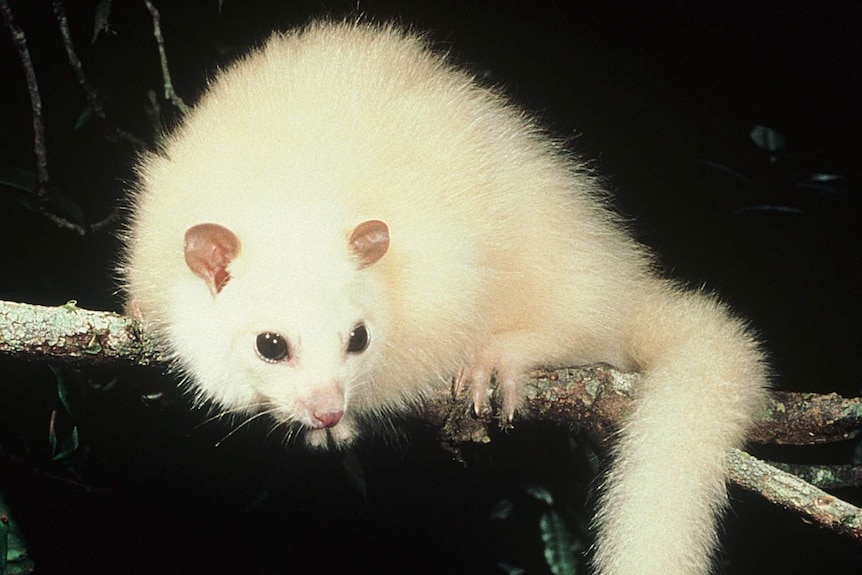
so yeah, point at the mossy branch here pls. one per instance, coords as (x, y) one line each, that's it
(593, 398)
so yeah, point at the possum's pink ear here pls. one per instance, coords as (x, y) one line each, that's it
(209, 248)
(370, 240)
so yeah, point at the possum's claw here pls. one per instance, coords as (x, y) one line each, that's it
(459, 383)
(510, 389)
(480, 384)
(481, 387)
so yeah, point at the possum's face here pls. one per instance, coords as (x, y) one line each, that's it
(296, 351)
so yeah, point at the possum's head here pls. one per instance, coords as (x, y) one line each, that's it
(296, 350)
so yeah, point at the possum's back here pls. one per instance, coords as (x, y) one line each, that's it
(343, 123)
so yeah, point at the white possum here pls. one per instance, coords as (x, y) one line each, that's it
(347, 222)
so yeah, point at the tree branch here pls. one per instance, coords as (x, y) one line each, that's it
(595, 398)
(112, 132)
(69, 335)
(794, 493)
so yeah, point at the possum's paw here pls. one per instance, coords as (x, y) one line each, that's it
(507, 376)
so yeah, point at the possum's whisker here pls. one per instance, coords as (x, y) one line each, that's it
(217, 417)
(222, 413)
(246, 422)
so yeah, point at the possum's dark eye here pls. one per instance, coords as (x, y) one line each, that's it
(358, 339)
(271, 347)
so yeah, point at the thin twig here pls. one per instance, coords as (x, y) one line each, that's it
(170, 93)
(106, 221)
(65, 224)
(39, 147)
(112, 132)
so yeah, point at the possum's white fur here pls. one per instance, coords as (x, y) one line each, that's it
(501, 256)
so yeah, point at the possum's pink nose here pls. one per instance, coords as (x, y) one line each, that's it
(328, 419)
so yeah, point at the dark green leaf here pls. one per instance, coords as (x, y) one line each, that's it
(559, 548)
(103, 13)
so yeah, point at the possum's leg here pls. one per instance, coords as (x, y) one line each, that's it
(703, 379)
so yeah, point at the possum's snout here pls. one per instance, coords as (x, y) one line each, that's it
(328, 419)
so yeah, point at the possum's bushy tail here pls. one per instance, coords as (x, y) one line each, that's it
(704, 377)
